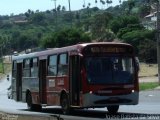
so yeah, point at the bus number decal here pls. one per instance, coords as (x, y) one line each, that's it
(52, 83)
(61, 81)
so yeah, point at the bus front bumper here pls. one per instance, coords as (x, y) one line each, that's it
(92, 100)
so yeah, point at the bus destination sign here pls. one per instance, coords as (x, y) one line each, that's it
(108, 50)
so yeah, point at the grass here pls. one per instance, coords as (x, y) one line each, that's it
(148, 86)
(1, 68)
(7, 68)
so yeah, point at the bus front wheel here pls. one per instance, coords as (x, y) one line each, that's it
(65, 104)
(30, 105)
(113, 109)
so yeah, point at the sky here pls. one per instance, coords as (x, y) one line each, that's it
(21, 6)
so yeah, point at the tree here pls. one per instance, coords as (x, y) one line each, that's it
(65, 37)
(102, 2)
(99, 24)
(140, 40)
(96, 2)
(38, 18)
(84, 3)
(108, 2)
(121, 22)
(144, 10)
(77, 16)
(37, 11)
(120, 1)
(48, 12)
(63, 8)
(59, 8)
(131, 4)
(88, 7)
(148, 51)
(129, 28)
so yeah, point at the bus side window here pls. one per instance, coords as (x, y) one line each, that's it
(26, 68)
(34, 67)
(63, 64)
(52, 65)
(14, 65)
(14, 69)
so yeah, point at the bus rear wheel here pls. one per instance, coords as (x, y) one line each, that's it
(113, 109)
(31, 106)
(65, 104)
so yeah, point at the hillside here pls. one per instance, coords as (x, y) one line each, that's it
(123, 22)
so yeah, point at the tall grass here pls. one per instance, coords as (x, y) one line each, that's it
(1, 66)
(148, 86)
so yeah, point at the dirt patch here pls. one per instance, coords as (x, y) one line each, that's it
(148, 70)
(7, 70)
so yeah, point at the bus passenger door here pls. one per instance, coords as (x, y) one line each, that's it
(74, 75)
(42, 81)
(19, 82)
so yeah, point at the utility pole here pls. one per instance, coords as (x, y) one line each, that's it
(84, 5)
(158, 38)
(69, 3)
(55, 10)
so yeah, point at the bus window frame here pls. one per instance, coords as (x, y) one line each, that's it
(14, 65)
(52, 66)
(34, 67)
(26, 68)
(62, 65)
(14, 69)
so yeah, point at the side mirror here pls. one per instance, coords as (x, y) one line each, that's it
(8, 77)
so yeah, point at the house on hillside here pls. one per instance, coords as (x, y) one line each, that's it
(150, 21)
(19, 19)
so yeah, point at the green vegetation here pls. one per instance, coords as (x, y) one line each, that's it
(148, 86)
(59, 27)
(1, 68)
(65, 37)
(7, 68)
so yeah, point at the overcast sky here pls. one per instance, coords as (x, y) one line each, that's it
(21, 6)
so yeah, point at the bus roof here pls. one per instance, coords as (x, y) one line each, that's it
(63, 49)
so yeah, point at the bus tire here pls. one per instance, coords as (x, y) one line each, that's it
(31, 106)
(113, 109)
(65, 103)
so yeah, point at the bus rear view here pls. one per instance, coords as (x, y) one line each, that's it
(110, 73)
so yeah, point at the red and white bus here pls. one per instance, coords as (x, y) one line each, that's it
(89, 75)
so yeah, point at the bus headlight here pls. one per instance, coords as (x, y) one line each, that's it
(90, 92)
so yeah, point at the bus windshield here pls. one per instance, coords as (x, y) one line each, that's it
(109, 70)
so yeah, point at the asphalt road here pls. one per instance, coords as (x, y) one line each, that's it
(148, 108)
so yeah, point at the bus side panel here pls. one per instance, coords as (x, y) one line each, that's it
(14, 77)
(17, 82)
(31, 84)
(14, 89)
(52, 92)
(42, 81)
(75, 80)
(54, 87)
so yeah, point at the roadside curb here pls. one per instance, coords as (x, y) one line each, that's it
(13, 116)
(147, 79)
(157, 88)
